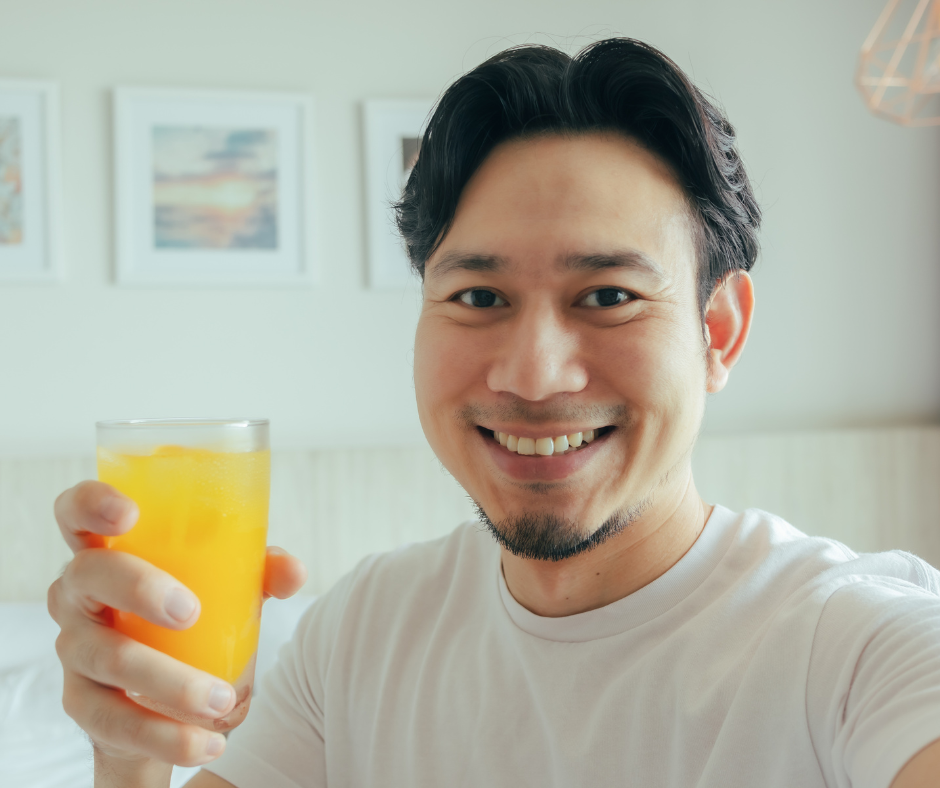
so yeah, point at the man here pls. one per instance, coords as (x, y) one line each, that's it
(584, 230)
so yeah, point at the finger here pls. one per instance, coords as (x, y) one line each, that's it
(284, 574)
(111, 718)
(90, 510)
(97, 578)
(107, 657)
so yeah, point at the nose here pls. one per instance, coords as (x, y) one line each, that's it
(538, 357)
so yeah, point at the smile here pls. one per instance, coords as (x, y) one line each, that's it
(547, 447)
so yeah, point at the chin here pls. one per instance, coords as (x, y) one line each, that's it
(550, 536)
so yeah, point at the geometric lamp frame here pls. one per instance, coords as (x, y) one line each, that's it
(898, 71)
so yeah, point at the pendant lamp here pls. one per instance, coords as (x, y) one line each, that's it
(899, 65)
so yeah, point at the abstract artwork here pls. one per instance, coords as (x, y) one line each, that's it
(11, 181)
(29, 181)
(213, 188)
(393, 132)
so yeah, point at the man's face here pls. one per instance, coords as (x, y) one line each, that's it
(563, 300)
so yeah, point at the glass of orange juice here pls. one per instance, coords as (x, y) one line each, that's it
(202, 486)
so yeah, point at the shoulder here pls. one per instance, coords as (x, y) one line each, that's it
(423, 573)
(406, 588)
(770, 545)
(788, 579)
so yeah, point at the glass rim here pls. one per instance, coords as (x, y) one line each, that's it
(143, 424)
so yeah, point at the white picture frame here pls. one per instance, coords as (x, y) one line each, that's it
(30, 178)
(213, 188)
(393, 130)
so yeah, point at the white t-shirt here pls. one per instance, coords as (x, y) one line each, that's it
(762, 658)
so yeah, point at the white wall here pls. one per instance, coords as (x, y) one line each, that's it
(848, 326)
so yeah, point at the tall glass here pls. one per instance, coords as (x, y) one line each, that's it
(202, 486)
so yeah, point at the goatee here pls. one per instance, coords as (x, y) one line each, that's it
(548, 537)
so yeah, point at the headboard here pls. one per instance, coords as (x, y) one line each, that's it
(873, 489)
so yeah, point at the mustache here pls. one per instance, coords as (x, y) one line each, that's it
(520, 411)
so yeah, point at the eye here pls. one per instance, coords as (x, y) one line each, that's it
(606, 297)
(480, 299)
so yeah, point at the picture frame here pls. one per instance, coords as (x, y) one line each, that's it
(213, 188)
(30, 179)
(393, 132)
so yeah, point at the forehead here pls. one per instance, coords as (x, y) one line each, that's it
(548, 199)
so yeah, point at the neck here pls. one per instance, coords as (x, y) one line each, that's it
(642, 552)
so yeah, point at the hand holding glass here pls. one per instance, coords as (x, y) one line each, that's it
(202, 488)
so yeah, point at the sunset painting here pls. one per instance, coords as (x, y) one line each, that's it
(11, 182)
(214, 188)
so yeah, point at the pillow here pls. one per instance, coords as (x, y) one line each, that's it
(27, 633)
(40, 745)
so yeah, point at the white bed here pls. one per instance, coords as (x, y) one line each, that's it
(40, 746)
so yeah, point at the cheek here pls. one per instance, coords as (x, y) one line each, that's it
(444, 370)
(659, 369)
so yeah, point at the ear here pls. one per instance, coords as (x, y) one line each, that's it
(727, 324)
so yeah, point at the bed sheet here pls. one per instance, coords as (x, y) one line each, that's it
(40, 745)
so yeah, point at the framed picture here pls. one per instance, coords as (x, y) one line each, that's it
(29, 181)
(213, 188)
(393, 132)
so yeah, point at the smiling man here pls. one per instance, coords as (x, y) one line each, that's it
(583, 228)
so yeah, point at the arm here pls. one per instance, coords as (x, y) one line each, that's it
(921, 771)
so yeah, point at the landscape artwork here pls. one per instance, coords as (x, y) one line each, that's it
(11, 182)
(215, 188)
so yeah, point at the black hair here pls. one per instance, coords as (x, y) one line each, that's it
(615, 85)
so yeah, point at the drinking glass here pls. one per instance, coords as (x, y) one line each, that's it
(202, 486)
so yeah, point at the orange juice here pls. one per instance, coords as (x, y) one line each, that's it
(203, 519)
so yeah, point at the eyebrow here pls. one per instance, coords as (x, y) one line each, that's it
(631, 259)
(626, 258)
(462, 261)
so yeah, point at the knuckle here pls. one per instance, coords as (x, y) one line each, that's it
(144, 591)
(118, 660)
(191, 693)
(83, 494)
(72, 702)
(83, 655)
(190, 747)
(58, 506)
(63, 646)
(89, 658)
(53, 599)
(78, 565)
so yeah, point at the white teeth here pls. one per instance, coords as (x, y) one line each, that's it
(544, 447)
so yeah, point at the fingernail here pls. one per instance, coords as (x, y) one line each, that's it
(215, 745)
(114, 508)
(220, 697)
(179, 604)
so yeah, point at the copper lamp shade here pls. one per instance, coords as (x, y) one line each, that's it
(899, 66)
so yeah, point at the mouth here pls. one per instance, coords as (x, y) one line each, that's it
(554, 446)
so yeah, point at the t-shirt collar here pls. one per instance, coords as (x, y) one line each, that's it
(641, 606)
